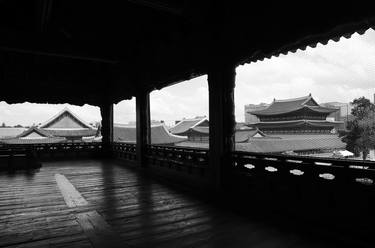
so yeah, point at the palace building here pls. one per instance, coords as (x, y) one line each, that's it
(295, 116)
(159, 135)
(65, 126)
(197, 131)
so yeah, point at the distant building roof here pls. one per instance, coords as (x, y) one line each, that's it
(282, 144)
(159, 135)
(292, 143)
(202, 130)
(18, 141)
(295, 123)
(34, 132)
(244, 135)
(278, 107)
(70, 132)
(183, 126)
(65, 119)
(11, 132)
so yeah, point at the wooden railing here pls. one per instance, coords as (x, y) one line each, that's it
(191, 160)
(124, 150)
(310, 168)
(328, 191)
(56, 149)
(18, 158)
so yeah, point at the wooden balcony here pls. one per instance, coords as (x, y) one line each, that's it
(269, 200)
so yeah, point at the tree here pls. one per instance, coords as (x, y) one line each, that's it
(3, 125)
(362, 108)
(360, 137)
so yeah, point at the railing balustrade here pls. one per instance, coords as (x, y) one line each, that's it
(126, 151)
(310, 168)
(191, 160)
(195, 160)
(33, 152)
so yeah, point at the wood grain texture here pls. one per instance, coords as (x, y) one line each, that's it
(128, 208)
(71, 196)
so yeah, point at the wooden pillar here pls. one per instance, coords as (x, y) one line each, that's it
(106, 110)
(221, 83)
(143, 126)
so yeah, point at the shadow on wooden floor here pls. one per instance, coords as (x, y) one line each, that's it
(130, 207)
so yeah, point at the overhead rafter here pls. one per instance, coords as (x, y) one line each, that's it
(45, 10)
(156, 5)
(61, 55)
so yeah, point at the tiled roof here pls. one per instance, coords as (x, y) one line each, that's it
(245, 134)
(184, 125)
(70, 114)
(294, 123)
(290, 105)
(159, 135)
(241, 135)
(308, 142)
(282, 144)
(71, 132)
(33, 141)
(10, 132)
(202, 130)
(39, 131)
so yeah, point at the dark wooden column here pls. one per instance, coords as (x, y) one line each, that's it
(143, 126)
(106, 110)
(221, 83)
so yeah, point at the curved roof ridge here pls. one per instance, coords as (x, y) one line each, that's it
(183, 138)
(34, 129)
(184, 125)
(65, 109)
(308, 97)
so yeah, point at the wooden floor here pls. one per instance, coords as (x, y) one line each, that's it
(97, 203)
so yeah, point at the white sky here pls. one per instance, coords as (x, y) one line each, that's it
(339, 71)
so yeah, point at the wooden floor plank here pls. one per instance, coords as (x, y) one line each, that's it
(94, 203)
(99, 232)
(71, 196)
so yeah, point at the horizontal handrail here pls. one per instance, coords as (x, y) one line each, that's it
(125, 150)
(182, 155)
(348, 163)
(50, 148)
(310, 168)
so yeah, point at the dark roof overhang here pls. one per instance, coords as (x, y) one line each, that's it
(58, 51)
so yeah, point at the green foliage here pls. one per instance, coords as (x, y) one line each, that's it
(361, 134)
(362, 108)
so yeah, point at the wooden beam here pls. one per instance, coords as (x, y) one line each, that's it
(45, 9)
(60, 55)
(143, 126)
(106, 110)
(159, 6)
(221, 83)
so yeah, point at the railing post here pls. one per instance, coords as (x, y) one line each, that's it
(221, 83)
(106, 110)
(143, 126)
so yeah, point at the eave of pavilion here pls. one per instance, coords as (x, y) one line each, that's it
(302, 110)
(294, 123)
(195, 36)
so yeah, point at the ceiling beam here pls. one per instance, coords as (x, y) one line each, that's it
(159, 6)
(61, 55)
(45, 10)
